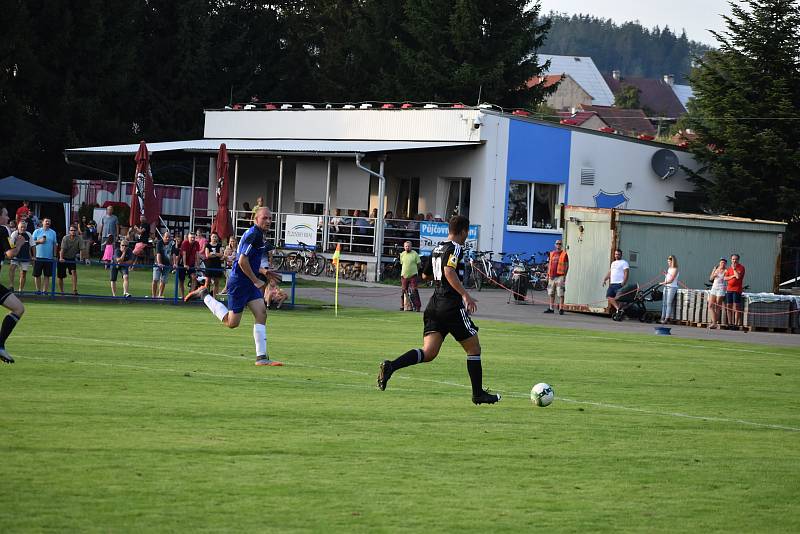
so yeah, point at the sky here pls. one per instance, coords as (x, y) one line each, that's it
(695, 16)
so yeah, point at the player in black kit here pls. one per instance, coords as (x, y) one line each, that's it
(7, 298)
(448, 312)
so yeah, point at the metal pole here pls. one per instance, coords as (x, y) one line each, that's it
(235, 191)
(326, 209)
(379, 222)
(280, 203)
(191, 201)
(119, 179)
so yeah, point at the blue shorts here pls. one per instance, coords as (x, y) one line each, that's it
(240, 292)
(612, 290)
(732, 297)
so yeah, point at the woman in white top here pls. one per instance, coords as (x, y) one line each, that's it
(670, 284)
(716, 296)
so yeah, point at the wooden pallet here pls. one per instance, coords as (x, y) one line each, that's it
(782, 330)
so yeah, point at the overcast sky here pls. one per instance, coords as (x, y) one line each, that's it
(695, 16)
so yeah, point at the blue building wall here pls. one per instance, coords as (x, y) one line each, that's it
(536, 153)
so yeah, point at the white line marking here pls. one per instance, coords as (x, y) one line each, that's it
(363, 373)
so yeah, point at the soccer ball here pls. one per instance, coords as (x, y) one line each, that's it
(542, 395)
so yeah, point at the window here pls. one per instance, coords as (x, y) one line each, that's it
(532, 205)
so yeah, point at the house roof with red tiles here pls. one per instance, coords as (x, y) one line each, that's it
(627, 121)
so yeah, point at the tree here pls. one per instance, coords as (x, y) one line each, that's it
(746, 113)
(454, 51)
(627, 97)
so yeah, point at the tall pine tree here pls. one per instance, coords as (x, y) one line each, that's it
(746, 113)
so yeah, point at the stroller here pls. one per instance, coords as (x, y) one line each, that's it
(633, 302)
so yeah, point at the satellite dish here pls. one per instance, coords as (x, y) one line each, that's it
(664, 163)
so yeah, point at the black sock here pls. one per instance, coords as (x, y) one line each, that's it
(9, 323)
(412, 357)
(475, 373)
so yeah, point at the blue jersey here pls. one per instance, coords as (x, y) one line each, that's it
(254, 247)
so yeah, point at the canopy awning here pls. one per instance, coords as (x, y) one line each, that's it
(13, 188)
(277, 147)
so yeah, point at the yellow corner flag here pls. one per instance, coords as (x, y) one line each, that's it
(335, 260)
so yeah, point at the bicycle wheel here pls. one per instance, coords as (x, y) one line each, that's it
(478, 280)
(315, 266)
(294, 262)
(278, 260)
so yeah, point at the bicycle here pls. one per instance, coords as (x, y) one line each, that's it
(306, 261)
(482, 263)
(391, 270)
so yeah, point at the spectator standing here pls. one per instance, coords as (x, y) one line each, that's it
(670, 284)
(189, 259)
(165, 260)
(142, 231)
(108, 251)
(617, 277)
(734, 276)
(23, 212)
(123, 259)
(214, 254)
(716, 297)
(361, 226)
(229, 257)
(23, 257)
(44, 241)
(72, 247)
(409, 277)
(556, 275)
(109, 224)
(200, 237)
(258, 206)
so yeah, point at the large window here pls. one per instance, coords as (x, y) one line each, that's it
(532, 205)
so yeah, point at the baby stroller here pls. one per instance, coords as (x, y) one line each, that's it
(633, 302)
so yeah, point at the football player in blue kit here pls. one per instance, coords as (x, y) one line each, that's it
(244, 288)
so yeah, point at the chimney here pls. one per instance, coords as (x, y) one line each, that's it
(616, 74)
(669, 79)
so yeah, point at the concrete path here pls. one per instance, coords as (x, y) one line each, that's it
(493, 305)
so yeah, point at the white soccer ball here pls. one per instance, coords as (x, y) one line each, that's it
(542, 395)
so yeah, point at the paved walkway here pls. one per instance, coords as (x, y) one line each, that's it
(493, 304)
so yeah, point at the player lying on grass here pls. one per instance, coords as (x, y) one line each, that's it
(448, 312)
(244, 288)
(7, 297)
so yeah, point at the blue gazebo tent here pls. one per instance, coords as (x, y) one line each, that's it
(13, 188)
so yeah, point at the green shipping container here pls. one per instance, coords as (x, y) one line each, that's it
(647, 238)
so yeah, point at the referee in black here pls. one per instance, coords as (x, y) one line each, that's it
(448, 312)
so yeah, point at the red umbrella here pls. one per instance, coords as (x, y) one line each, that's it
(143, 196)
(222, 222)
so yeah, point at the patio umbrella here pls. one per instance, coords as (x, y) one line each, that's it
(222, 223)
(143, 197)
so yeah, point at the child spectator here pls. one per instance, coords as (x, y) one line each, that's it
(273, 294)
(108, 251)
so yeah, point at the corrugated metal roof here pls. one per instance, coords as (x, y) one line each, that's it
(684, 93)
(585, 73)
(275, 146)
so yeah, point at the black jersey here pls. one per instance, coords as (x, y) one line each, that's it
(446, 254)
(5, 242)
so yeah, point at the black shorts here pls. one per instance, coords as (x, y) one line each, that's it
(4, 293)
(67, 265)
(455, 321)
(42, 267)
(183, 271)
(115, 269)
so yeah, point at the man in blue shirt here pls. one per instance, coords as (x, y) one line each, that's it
(44, 242)
(244, 288)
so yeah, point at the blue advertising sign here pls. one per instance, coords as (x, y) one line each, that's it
(431, 233)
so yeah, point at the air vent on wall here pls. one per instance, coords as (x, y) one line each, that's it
(587, 176)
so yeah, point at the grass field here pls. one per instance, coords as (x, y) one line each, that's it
(128, 417)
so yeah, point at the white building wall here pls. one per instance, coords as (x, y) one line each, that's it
(617, 162)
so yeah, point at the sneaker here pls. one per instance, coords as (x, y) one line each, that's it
(200, 293)
(561, 312)
(549, 310)
(126, 295)
(5, 357)
(486, 398)
(384, 374)
(264, 361)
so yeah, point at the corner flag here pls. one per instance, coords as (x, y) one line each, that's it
(335, 261)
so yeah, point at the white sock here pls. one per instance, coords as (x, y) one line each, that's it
(216, 307)
(260, 337)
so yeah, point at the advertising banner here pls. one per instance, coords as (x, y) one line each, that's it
(300, 229)
(431, 233)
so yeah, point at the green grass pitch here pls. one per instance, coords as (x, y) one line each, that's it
(129, 417)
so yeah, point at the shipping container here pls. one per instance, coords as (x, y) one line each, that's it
(647, 238)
